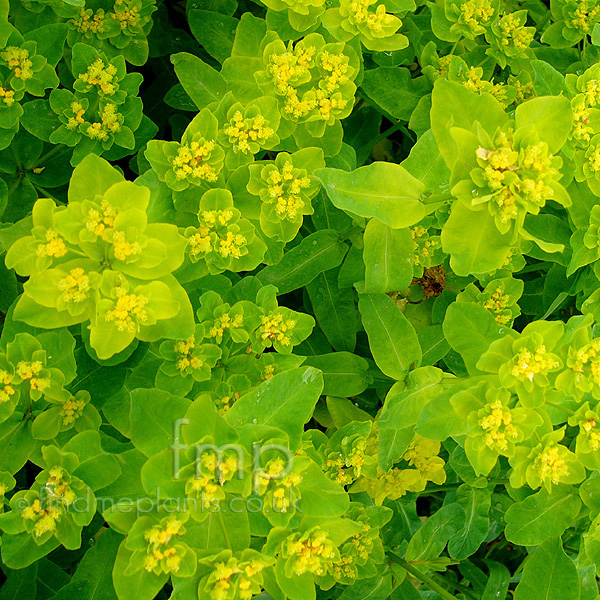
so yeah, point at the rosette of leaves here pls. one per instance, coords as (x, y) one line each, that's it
(545, 463)
(102, 113)
(187, 361)
(241, 574)
(99, 260)
(156, 548)
(309, 556)
(59, 504)
(587, 440)
(585, 91)
(452, 20)
(222, 241)
(245, 130)
(280, 328)
(509, 38)
(370, 22)
(360, 555)
(580, 353)
(115, 27)
(573, 21)
(312, 80)
(507, 171)
(196, 161)
(495, 426)
(28, 375)
(285, 188)
(526, 363)
(479, 80)
(24, 70)
(70, 416)
(499, 296)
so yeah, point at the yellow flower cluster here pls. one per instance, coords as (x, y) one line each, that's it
(549, 465)
(285, 69)
(273, 471)
(475, 14)
(28, 371)
(127, 15)
(100, 220)
(581, 118)
(498, 302)
(311, 552)
(54, 246)
(527, 364)
(158, 537)
(6, 389)
(108, 124)
(234, 573)
(589, 427)
(18, 59)
(584, 16)
(497, 425)
(72, 410)
(422, 454)
(86, 22)
(274, 328)
(122, 248)
(513, 32)
(242, 131)
(102, 75)
(75, 286)
(375, 21)
(425, 247)
(127, 308)
(223, 323)
(201, 242)
(185, 358)
(586, 356)
(191, 161)
(285, 188)
(214, 472)
(8, 96)
(77, 119)
(232, 245)
(59, 495)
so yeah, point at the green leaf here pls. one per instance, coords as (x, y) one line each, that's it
(394, 90)
(497, 583)
(318, 252)
(344, 374)
(202, 83)
(470, 329)
(214, 31)
(474, 243)
(392, 339)
(383, 190)
(388, 257)
(476, 504)
(453, 105)
(375, 588)
(154, 414)
(551, 116)
(540, 516)
(548, 573)
(285, 401)
(335, 310)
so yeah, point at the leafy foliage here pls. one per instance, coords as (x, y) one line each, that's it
(299, 299)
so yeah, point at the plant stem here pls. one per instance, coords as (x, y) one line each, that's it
(430, 583)
(559, 407)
